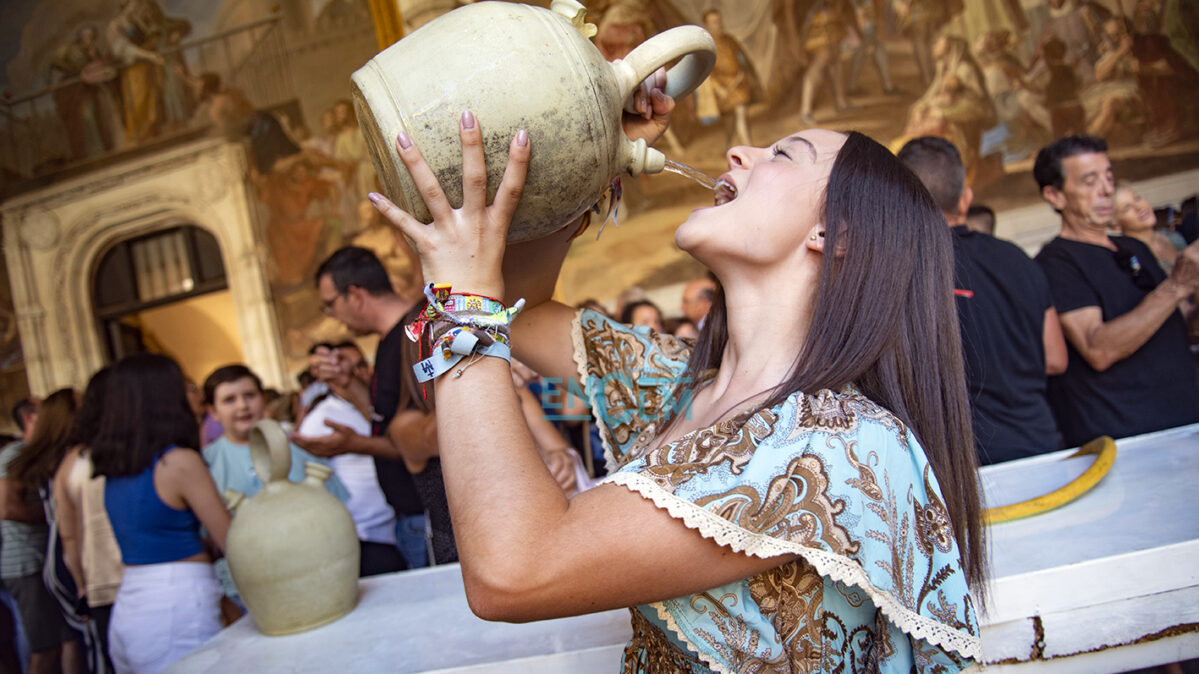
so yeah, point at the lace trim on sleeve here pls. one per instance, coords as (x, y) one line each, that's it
(836, 567)
(580, 355)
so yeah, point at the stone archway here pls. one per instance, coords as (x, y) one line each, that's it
(54, 239)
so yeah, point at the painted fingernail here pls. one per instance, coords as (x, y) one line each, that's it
(522, 138)
(468, 120)
(404, 141)
(375, 197)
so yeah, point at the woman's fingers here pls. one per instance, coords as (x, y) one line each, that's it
(659, 79)
(426, 183)
(474, 165)
(513, 183)
(410, 226)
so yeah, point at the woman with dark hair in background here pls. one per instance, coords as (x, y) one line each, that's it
(798, 490)
(31, 537)
(158, 493)
(642, 312)
(89, 549)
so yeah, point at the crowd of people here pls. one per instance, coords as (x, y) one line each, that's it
(112, 522)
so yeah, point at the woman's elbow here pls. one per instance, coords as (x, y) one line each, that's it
(494, 604)
(501, 596)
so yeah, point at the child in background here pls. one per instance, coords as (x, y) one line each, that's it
(234, 397)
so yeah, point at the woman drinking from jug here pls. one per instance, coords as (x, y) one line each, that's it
(796, 492)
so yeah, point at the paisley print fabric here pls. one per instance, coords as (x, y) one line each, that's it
(828, 476)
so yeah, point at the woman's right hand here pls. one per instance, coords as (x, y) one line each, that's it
(463, 247)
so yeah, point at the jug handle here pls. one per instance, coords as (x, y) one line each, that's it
(693, 43)
(270, 451)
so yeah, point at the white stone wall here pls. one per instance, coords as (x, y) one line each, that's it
(54, 238)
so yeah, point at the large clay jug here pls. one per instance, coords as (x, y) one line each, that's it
(292, 548)
(515, 67)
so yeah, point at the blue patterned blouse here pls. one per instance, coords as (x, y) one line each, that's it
(831, 477)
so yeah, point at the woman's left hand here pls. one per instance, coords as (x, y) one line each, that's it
(462, 246)
(653, 109)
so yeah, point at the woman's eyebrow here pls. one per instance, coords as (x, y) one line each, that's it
(805, 141)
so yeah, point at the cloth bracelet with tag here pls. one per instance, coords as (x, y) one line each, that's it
(461, 342)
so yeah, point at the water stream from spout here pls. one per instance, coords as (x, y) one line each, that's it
(693, 173)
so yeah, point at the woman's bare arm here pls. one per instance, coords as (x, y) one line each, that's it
(527, 552)
(183, 481)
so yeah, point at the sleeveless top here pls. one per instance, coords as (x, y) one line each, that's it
(148, 530)
(830, 477)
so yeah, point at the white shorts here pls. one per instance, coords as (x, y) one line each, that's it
(162, 612)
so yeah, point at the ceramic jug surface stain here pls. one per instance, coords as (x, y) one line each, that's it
(292, 548)
(517, 67)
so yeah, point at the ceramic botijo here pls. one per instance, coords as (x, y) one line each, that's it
(292, 547)
(515, 67)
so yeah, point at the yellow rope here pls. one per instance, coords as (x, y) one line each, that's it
(1105, 450)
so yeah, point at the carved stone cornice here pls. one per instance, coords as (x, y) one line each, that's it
(120, 175)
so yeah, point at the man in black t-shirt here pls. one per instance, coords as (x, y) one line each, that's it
(1010, 333)
(1130, 368)
(355, 289)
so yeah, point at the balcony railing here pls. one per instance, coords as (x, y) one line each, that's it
(109, 111)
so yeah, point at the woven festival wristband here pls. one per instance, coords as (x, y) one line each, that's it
(462, 343)
(462, 325)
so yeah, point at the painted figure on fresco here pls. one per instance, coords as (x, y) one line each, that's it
(299, 203)
(177, 83)
(826, 24)
(350, 149)
(87, 102)
(134, 36)
(956, 105)
(920, 21)
(1066, 115)
(1019, 106)
(622, 25)
(1112, 103)
(726, 92)
(231, 114)
(870, 24)
(1164, 72)
(1078, 26)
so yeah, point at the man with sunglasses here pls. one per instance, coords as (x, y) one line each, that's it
(1130, 368)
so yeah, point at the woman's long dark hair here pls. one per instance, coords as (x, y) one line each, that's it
(145, 412)
(87, 420)
(35, 465)
(885, 320)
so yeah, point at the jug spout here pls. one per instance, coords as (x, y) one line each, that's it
(316, 474)
(644, 159)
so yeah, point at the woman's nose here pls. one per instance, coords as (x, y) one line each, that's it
(739, 156)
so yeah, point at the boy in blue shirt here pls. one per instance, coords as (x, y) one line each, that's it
(233, 396)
